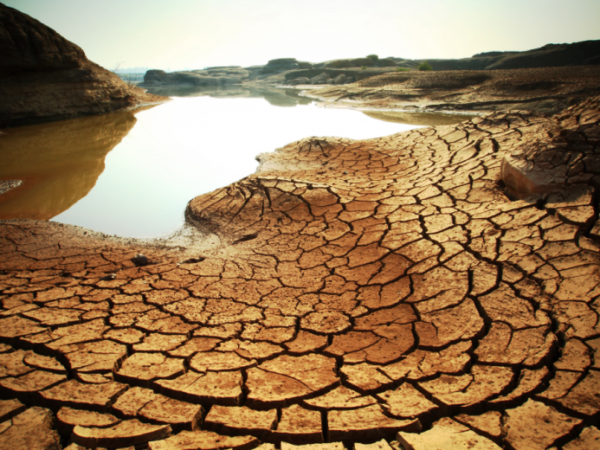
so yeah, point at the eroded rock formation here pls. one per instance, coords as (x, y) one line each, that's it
(391, 288)
(47, 78)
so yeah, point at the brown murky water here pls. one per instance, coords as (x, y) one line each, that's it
(58, 163)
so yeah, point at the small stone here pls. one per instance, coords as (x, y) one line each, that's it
(140, 260)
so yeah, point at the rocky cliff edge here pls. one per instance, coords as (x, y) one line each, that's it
(44, 77)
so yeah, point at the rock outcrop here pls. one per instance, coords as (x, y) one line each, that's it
(201, 78)
(45, 78)
(273, 72)
(547, 90)
(290, 71)
(399, 287)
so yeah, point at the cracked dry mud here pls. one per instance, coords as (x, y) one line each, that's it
(437, 288)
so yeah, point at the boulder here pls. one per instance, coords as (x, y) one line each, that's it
(339, 79)
(155, 77)
(283, 64)
(47, 78)
(320, 79)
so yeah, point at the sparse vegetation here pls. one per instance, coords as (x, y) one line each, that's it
(402, 69)
(129, 79)
(425, 66)
(364, 67)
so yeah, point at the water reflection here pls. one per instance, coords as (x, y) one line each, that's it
(58, 163)
(276, 97)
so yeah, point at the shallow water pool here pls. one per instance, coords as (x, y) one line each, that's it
(132, 176)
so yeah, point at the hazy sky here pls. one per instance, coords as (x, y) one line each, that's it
(178, 34)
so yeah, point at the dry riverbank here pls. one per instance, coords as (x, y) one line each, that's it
(392, 288)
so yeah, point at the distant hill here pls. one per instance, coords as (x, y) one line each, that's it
(289, 71)
(551, 55)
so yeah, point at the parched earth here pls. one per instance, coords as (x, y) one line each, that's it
(437, 288)
(547, 89)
